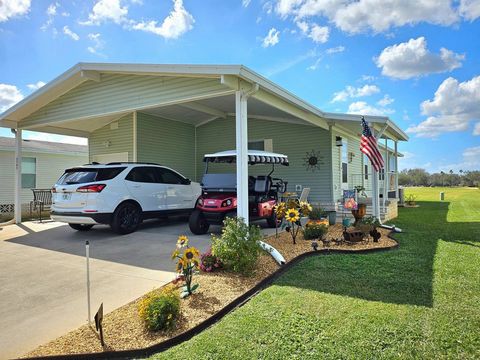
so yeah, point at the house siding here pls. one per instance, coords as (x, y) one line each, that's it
(49, 169)
(167, 142)
(290, 139)
(117, 93)
(119, 140)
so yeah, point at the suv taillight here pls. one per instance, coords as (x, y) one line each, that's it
(53, 190)
(91, 188)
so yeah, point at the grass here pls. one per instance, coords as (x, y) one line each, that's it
(420, 301)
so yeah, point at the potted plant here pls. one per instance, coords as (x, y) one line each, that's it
(361, 209)
(411, 200)
(317, 217)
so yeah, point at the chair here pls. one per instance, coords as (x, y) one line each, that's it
(42, 200)
(304, 194)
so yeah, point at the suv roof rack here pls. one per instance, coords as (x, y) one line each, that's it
(131, 162)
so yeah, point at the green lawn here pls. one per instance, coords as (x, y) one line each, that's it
(420, 301)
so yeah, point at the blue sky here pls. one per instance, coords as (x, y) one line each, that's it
(414, 61)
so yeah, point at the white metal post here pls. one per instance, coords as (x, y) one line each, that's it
(241, 127)
(18, 176)
(386, 175)
(396, 169)
(87, 254)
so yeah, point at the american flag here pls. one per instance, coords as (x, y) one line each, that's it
(368, 146)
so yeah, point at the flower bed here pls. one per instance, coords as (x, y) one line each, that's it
(124, 329)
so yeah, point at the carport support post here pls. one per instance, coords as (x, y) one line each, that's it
(18, 176)
(241, 131)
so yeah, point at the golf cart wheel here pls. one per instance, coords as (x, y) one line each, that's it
(197, 222)
(81, 227)
(273, 222)
(126, 218)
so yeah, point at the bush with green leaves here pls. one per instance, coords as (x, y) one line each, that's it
(238, 247)
(314, 231)
(160, 309)
(317, 213)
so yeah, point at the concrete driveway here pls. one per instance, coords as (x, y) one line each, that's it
(43, 275)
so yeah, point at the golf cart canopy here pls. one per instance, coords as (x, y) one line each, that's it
(254, 157)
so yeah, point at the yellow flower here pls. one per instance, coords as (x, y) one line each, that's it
(190, 254)
(175, 254)
(280, 210)
(180, 265)
(182, 241)
(305, 207)
(292, 215)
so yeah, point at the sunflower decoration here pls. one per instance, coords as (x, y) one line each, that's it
(292, 212)
(280, 210)
(187, 264)
(292, 215)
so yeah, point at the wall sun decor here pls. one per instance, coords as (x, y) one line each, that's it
(313, 160)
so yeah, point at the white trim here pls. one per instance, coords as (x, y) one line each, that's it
(204, 109)
(241, 135)
(134, 123)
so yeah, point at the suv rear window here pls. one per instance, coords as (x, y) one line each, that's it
(86, 175)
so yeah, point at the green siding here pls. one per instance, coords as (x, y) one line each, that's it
(119, 140)
(290, 139)
(170, 143)
(119, 93)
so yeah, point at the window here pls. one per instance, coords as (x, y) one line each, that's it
(29, 172)
(365, 166)
(85, 175)
(142, 174)
(344, 161)
(391, 165)
(169, 177)
(262, 145)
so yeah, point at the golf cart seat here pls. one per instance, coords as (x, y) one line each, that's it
(263, 184)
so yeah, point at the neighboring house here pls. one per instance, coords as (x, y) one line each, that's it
(174, 114)
(43, 162)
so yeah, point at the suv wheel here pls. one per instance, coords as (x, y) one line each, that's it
(81, 227)
(198, 224)
(126, 218)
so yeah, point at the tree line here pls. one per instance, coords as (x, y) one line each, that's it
(420, 177)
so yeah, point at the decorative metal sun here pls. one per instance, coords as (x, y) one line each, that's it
(313, 160)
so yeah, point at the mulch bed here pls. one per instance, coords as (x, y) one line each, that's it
(124, 329)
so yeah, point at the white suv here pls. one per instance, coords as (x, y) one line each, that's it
(121, 195)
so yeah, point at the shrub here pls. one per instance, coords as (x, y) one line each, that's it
(317, 213)
(314, 231)
(209, 262)
(160, 309)
(238, 248)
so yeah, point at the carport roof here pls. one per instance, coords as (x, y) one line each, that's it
(82, 72)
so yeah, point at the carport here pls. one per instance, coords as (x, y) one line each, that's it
(90, 96)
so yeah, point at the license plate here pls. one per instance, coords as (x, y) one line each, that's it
(66, 196)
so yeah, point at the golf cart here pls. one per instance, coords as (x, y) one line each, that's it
(219, 191)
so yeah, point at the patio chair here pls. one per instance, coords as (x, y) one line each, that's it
(42, 200)
(304, 194)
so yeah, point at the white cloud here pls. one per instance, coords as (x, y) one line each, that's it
(386, 100)
(52, 9)
(334, 50)
(470, 161)
(469, 9)
(476, 129)
(362, 108)
(352, 92)
(413, 59)
(245, 3)
(370, 15)
(107, 10)
(52, 12)
(453, 107)
(36, 85)
(272, 38)
(13, 8)
(317, 33)
(98, 44)
(9, 96)
(178, 22)
(70, 33)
